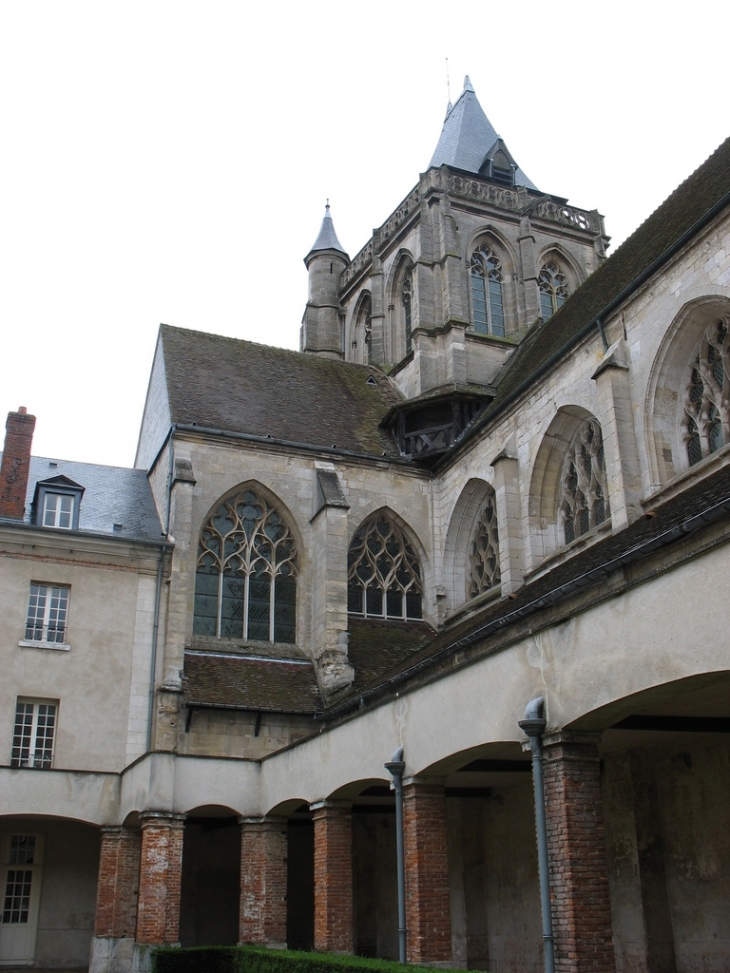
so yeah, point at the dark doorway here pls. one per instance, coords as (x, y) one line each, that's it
(211, 882)
(300, 883)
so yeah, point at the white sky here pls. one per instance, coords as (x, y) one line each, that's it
(170, 161)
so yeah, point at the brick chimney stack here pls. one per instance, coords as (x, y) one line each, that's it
(16, 463)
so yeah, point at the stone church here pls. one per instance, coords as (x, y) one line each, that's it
(482, 515)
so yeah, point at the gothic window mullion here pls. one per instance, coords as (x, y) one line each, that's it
(706, 422)
(383, 572)
(246, 545)
(584, 495)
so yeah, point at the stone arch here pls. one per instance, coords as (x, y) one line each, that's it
(402, 298)
(386, 565)
(248, 591)
(667, 389)
(491, 260)
(546, 481)
(459, 537)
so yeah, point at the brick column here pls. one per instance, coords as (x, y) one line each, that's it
(333, 917)
(116, 893)
(160, 875)
(428, 915)
(577, 854)
(262, 916)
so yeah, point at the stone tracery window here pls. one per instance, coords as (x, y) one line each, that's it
(486, 292)
(484, 571)
(245, 584)
(584, 495)
(553, 286)
(384, 572)
(706, 422)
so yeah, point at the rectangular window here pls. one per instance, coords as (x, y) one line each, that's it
(47, 613)
(58, 509)
(35, 726)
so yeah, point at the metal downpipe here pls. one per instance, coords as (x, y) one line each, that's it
(534, 725)
(395, 767)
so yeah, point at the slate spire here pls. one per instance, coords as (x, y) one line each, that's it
(468, 139)
(327, 238)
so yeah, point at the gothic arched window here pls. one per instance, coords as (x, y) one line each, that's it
(584, 495)
(406, 300)
(706, 424)
(245, 584)
(553, 289)
(484, 571)
(384, 573)
(486, 292)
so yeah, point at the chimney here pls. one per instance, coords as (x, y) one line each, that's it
(16, 463)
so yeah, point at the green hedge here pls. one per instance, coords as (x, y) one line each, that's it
(254, 959)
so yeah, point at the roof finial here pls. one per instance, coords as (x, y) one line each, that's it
(448, 83)
(327, 204)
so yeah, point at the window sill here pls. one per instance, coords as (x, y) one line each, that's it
(706, 467)
(31, 644)
(474, 604)
(566, 552)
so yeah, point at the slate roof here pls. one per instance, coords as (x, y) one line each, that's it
(691, 510)
(467, 136)
(327, 238)
(688, 204)
(112, 495)
(242, 682)
(243, 387)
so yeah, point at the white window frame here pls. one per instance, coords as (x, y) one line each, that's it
(54, 514)
(49, 618)
(34, 733)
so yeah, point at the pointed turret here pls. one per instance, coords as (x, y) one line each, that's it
(321, 325)
(469, 142)
(327, 238)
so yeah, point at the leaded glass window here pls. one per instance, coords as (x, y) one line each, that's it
(706, 424)
(484, 572)
(384, 573)
(406, 297)
(584, 500)
(245, 584)
(363, 330)
(553, 289)
(486, 292)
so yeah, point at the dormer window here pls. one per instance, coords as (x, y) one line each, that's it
(58, 510)
(56, 503)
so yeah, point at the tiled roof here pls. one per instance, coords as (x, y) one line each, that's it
(376, 647)
(700, 504)
(242, 682)
(688, 204)
(244, 387)
(112, 495)
(467, 137)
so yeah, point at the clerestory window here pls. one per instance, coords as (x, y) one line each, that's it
(584, 497)
(486, 292)
(245, 585)
(706, 420)
(384, 572)
(484, 570)
(553, 286)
